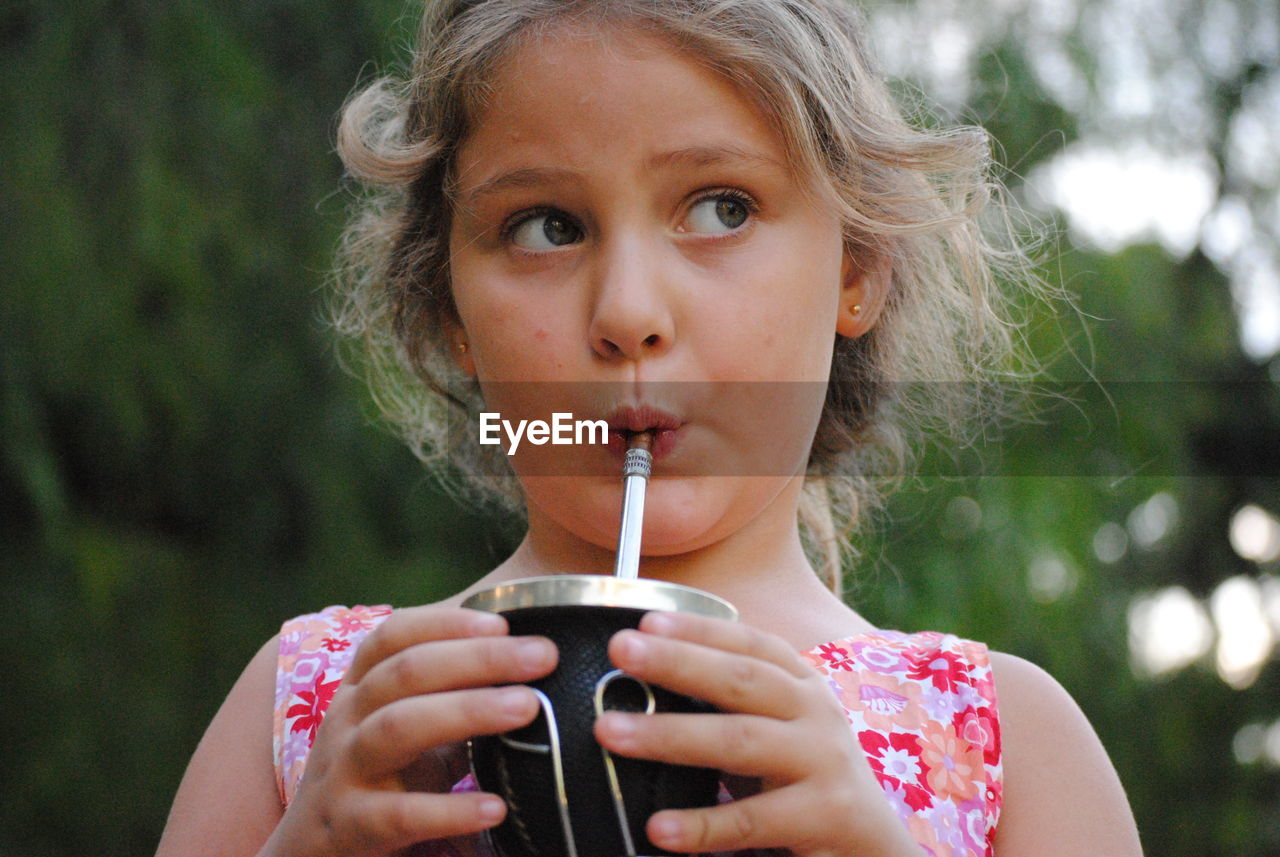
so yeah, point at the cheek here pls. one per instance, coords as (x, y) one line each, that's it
(782, 315)
(688, 514)
(805, 256)
(514, 332)
(806, 317)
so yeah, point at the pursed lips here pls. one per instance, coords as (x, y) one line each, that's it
(630, 419)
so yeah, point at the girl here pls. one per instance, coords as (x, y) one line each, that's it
(636, 211)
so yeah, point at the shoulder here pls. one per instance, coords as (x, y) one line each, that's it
(1061, 793)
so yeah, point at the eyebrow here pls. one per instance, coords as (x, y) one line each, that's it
(514, 180)
(710, 156)
(687, 157)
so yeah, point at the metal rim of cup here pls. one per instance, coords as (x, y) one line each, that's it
(596, 590)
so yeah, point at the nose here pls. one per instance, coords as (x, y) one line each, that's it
(631, 315)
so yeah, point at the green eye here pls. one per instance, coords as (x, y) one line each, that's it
(545, 231)
(722, 213)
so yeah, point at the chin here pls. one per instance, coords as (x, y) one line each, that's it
(671, 536)
(682, 515)
(689, 514)
(667, 531)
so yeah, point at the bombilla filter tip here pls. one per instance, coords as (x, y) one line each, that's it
(641, 440)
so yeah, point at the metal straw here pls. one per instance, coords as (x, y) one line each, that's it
(636, 467)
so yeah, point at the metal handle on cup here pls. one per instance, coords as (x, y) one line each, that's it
(551, 748)
(615, 787)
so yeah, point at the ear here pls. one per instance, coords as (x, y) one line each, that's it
(460, 347)
(864, 287)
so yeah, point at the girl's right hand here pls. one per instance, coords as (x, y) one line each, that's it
(421, 681)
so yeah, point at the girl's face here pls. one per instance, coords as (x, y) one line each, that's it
(627, 228)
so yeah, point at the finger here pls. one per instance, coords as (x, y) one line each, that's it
(730, 681)
(453, 665)
(726, 636)
(394, 736)
(415, 625)
(775, 819)
(393, 820)
(734, 743)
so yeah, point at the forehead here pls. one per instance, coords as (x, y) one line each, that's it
(577, 96)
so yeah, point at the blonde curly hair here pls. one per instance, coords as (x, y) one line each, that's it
(910, 196)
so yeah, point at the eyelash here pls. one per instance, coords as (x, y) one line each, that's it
(514, 222)
(729, 193)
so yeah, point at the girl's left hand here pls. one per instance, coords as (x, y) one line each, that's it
(779, 723)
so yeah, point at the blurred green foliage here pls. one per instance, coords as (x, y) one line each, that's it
(185, 465)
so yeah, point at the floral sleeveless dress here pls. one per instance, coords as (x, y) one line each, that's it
(922, 706)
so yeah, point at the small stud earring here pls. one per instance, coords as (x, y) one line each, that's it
(462, 348)
(856, 309)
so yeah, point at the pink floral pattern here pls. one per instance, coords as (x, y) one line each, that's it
(315, 653)
(921, 706)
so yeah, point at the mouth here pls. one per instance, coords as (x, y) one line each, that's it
(628, 421)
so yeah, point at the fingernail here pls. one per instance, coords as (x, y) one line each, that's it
(632, 646)
(532, 653)
(618, 727)
(664, 830)
(659, 623)
(491, 810)
(486, 623)
(514, 700)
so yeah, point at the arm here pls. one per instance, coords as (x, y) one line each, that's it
(1061, 795)
(228, 803)
(425, 679)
